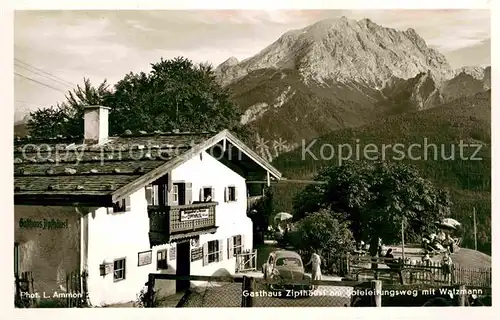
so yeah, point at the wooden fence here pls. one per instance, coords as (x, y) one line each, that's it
(423, 271)
(330, 264)
(24, 289)
(76, 284)
(74, 297)
(246, 261)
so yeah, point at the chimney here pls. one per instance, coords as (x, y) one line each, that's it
(95, 124)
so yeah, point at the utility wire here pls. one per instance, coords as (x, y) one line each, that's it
(45, 72)
(27, 102)
(36, 81)
(43, 75)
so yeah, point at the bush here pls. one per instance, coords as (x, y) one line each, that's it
(142, 299)
(325, 232)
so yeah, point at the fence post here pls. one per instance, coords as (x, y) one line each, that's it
(376, 286)
(150, 293)
(18, 288)
(347, 266)
(462, 295)
(247, 289)
(68, 300)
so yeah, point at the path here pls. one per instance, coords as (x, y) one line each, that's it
(230, 295)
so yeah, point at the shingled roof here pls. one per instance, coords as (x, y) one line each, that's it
(67, 171)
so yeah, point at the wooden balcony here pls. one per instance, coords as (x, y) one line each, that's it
(174, 223)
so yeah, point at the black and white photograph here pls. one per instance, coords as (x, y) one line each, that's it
(252, 158)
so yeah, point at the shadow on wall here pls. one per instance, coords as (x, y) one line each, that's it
(165, 288)
(222, 272)
(49, 244)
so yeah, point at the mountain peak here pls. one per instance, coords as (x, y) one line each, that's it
(345, 50)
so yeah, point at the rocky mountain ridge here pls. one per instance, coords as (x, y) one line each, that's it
(342, 73)
(344, 50)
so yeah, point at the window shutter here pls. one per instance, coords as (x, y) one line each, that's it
(235, 194)
(127, 203)
(242, 243)
(225, 194)
(205, 254)
(189, 193)
(149, 194)
(170, 183)
(221, 251)
(201, 195)
(213, 194)
(170, 196)
(156, 195)
(230, 247)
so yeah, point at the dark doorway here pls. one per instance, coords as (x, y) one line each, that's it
(183, 265)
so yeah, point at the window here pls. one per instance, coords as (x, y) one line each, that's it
(207, 194)
(234, 246)
(161, 260)
(231, 194)
(152, 195)
(237, 245)
(122, 205)
(212, 252)
(293, 262)
(119, 269)
(181, 194)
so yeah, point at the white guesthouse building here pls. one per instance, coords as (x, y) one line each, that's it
(119, 208)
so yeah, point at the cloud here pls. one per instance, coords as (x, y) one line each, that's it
(137, 25)
(109, 44)
(444, 29)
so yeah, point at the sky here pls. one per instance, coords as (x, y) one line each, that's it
(55, 50)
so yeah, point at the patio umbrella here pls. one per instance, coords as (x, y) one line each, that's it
(282, 216)
(449, 223)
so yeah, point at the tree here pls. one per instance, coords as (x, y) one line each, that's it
(176, 94)
(377, 198)
(66, 119)
(261, 212)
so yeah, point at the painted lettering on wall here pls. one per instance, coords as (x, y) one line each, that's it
(171, 253)
(42, 224)
(194, 214)
(196, 254)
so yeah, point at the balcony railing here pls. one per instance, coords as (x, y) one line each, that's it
(168, 223)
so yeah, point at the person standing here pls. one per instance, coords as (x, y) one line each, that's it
(447, 267)
(450, 243)
(316, 268)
